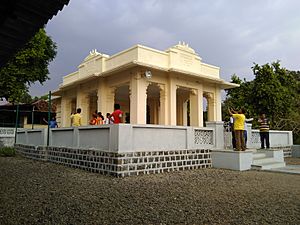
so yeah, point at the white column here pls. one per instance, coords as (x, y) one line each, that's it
(218, 104)
(211, 107)
(180, 103)
(185, 113)
(218, 133)
(106, 98)
(138, 97)
(83, 103)
(110, 99)
(163, 109)
(156, 111)
(172, 102)
(196, 107)
(101, 97)
(65, 111)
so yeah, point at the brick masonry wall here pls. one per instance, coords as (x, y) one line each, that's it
(120, 164)
(287, 150)
(32, 152)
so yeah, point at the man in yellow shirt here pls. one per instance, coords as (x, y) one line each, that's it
(77, 118)
(239, 121)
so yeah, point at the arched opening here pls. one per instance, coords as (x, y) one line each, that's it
(210, 106)
(182, 106)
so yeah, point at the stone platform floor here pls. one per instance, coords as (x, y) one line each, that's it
(292, 167)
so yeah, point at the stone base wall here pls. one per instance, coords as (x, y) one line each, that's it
(120, 164)
(7, 141)
(287, 150)
(296, 151)
(32, 152)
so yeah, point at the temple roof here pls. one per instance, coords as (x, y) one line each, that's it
(179, 59)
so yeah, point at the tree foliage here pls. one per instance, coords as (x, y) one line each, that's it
(28, 99)
(28, 66)
(274, 91)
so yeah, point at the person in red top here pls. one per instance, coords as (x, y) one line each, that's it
(93, 121)
(116, 116)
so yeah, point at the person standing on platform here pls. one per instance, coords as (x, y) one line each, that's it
(116, 116)
(239, 121)
(77, 118)
(264, 131)
(53, 123)
(232, 133)
(107, 119)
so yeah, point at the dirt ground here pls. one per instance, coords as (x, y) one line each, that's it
(33, 192)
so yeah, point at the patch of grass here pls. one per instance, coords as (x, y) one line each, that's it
(7, 151)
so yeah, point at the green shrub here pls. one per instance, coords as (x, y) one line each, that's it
(7, 151)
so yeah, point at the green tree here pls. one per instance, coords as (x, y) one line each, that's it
(28, 66)
(237, 97)
(274, 91)
(25, 98)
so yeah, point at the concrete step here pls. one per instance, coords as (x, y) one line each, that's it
(259, 155)
(269, 165)
(262, 160)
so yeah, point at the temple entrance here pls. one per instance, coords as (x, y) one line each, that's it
(209, 99)
(153, 104)
(122, 98)
(182, 106)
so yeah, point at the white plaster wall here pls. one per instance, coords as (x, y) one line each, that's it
(116, 138)
(209, 70)
(89, 67)
(235, 160)
(180, 58)
(62, 137)
(22, 137)
(128, 137)
(296, 151)
(160, 138)
(36, 137)
(7, 136)
(70, 78)
(122, 58)
(153, 57)
(93, 137)
(277, 138)
(7, 141)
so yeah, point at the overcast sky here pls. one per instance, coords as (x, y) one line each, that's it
(230, 34)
